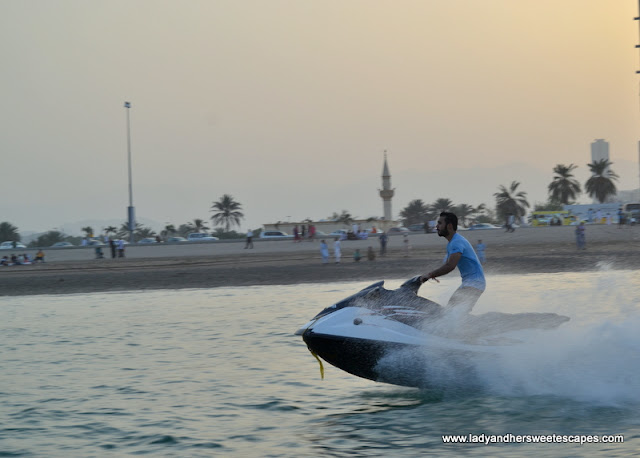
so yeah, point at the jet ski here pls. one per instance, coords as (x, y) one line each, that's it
(398, 337)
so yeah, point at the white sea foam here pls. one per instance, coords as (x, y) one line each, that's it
(595, 357)
(598, 363)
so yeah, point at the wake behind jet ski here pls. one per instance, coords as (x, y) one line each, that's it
(394, 336)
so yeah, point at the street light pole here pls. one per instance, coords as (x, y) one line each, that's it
(637, 18)
(130, 211)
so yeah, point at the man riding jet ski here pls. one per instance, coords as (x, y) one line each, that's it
(398, 337)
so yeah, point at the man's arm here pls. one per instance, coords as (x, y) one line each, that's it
(451, 264)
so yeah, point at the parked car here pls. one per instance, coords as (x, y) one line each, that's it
(342, 233)
(416, 227)
(62, 245)
(201, 237)
(275, 235)
(94, 242)
(482, 226)
(398, 231)
(9, 245)
(147, 241)
(176, 240)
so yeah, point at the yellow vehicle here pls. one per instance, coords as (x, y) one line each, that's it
(552, 218)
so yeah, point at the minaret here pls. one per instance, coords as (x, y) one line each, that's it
(386, 193)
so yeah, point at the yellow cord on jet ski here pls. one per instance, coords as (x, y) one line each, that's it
(321, 366)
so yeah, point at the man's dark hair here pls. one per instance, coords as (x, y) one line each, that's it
(450, 218)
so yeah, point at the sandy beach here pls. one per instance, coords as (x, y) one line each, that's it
(207, 265)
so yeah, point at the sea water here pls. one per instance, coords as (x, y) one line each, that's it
(218, 372)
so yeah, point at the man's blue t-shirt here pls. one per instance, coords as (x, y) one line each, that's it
(469, 265)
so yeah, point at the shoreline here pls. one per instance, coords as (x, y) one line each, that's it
(299, 265)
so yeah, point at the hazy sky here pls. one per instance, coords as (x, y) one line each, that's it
(289, 105)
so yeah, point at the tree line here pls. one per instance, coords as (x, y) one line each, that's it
(226, 214)
(563, 190)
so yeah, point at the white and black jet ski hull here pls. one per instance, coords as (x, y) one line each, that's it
(374, 347)
(383, 335)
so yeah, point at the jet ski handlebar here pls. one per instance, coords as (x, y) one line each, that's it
(413, 284)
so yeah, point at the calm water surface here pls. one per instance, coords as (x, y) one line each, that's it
(219, 372)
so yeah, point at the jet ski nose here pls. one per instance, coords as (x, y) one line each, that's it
(304, 328)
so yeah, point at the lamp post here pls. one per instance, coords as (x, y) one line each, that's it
(130, 210)
(637, 18)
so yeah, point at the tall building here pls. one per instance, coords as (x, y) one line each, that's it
(386, 192)
(599, 150)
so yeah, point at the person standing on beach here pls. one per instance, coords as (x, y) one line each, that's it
(620, 218)
(581, 240)
(511, 219)
(324, 252)
(460, 254)
(249, 242)
(383, 243)
(337, 251)
(121, 248)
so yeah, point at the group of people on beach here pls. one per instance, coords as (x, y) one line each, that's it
(116, 246)
(337, 252)
(22, 259)
(324, 251)
(299, 234)
(337, 248)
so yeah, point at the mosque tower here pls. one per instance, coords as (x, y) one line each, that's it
(386, 193)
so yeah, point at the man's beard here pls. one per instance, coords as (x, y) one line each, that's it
(444, 232)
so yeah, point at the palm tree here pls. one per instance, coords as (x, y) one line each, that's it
(185, 229)
(48, 239)
(479, 210)
(198, 225)
(88, 230)
(344, 217)
(8, 232)
(110, 229)
(144, 232)
(601, 184)
(123, 232)
(168, 230)
(511, 201)
(414, 213)
(441, 205)
(483, 214)
(564, 188)
(463, 212)
(228, 212)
